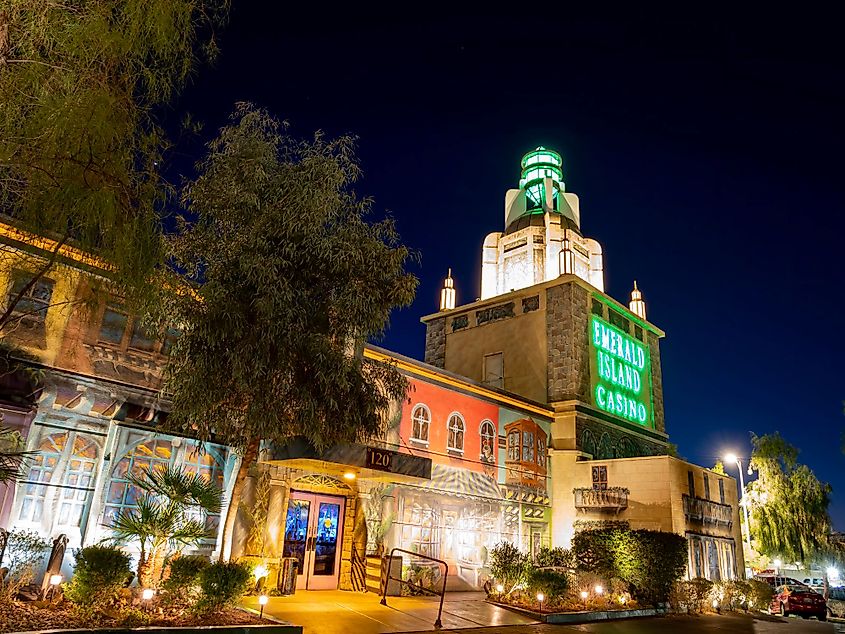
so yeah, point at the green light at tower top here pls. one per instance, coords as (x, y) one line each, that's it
(537, 165)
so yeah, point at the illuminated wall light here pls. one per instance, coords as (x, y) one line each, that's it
(349, 475)
(260, 572)
(447, 293)
(567, 263)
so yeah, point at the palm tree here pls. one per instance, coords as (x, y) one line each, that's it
(168, 516)
(12, 456)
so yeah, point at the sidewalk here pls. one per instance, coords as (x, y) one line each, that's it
(339, 612)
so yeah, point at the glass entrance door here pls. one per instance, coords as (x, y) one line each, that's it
(313, 534)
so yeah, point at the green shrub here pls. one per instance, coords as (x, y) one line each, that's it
(759, 594)
(552, 584)
(184, 577)
(699, 594)
(508, 565)
(650, 561)
(554, 558)
(223, 584)
(24, 558)
(100, 574)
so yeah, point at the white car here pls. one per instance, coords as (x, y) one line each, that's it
(815, 583)
(836, 602)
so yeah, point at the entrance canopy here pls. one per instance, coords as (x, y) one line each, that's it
(365, 461)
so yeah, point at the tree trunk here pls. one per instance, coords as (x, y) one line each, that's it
(237, 490)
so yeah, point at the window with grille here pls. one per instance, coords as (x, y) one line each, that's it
(513, 446)
(420, 423)
(488, 441)
(541, 451)
(600, 478)
(35, 300)
(528, 446)
(456, 433)
(77, 453)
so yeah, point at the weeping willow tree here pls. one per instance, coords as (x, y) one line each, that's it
(789, 505)
(290, 276)
(81, 148)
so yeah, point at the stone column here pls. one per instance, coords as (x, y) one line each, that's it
(435, 342)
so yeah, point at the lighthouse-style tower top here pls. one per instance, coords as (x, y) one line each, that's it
(541, 220)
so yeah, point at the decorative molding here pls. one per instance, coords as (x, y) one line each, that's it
(494, 313)
(460, 322)
(530, 303)
(320, 480)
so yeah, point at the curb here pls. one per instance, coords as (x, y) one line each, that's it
(584, 616)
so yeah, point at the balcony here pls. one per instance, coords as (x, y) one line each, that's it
(707, 511)
(613, 499)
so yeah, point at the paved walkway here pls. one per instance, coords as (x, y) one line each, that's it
(335, 611)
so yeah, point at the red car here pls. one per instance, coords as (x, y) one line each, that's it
(798, 599)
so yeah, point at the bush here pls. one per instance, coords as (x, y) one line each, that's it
(184, 577)
(99, 575)
(223, 584)
(508, 565)
(552, 584)
(554, 558)
(650, 561)
(759, 594)
(25, 553)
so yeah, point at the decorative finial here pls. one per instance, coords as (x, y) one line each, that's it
(447, 293)
(637, 304)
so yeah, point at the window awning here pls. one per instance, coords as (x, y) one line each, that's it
(461, 483)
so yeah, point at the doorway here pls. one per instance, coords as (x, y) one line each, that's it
(313, 535)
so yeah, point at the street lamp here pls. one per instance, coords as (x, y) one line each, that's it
(733, 458)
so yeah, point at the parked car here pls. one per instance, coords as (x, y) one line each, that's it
(798, 599)
(777, 580)
(836, 602)
(815, 583)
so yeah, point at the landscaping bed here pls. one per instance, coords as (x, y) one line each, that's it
(581, 616)
(17, 616)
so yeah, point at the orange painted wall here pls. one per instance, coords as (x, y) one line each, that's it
(442, 403)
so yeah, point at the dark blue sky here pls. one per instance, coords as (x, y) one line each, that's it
(706, 150)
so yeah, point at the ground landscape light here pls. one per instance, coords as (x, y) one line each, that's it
(55, 580)
(147, 594)
(500, 588)
(599, 589)
(584, 594)
(263, 599)
(540, 597)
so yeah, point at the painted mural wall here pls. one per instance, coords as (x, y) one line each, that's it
(489, 481)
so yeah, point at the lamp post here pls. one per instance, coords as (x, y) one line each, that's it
(744, 503)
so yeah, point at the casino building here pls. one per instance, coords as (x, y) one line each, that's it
(537, 412)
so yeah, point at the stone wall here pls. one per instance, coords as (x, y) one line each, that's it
(568, 358)
(435, 342)
(656, 382)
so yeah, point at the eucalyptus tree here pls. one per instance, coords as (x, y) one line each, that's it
(288, 277)
(81, 148)
(790, 519)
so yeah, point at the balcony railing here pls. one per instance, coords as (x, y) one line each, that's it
(707, 511)
(612, 499)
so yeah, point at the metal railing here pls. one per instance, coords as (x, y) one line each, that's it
(359, 571)
(437, 624)
(707, 511)
(612, 499)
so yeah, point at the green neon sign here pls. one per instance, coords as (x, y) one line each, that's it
(621, 373)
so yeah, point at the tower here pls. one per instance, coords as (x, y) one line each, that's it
(542, 238)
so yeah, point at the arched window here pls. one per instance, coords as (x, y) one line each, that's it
(456, 433)
(420, 422)
(488, 441)
(71, 457)
(78, 480)
(50, 450)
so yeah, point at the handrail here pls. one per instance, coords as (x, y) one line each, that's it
(359, 571)
(437, 624)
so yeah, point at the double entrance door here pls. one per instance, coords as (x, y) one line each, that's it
(313, 534)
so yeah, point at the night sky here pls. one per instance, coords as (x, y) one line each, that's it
(706, 150)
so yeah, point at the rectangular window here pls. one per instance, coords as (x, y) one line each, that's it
(527, 446)
(691, 482)
(140, 340)
(599, 478)
(170, 337)
(113, 325)
(638, 333)
(617, 320)
(36, 300)
(721, 491)
(513, 446)
(494, 370)
(706, 487)
(598, 308)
